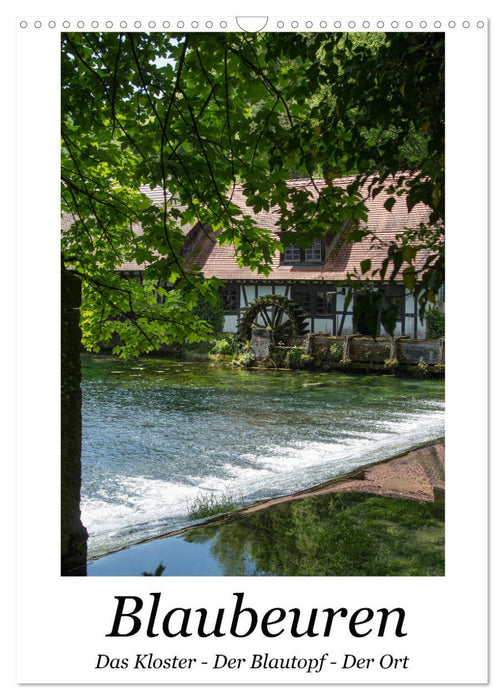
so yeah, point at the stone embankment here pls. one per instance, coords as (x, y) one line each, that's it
(353, 352)
(417, 474)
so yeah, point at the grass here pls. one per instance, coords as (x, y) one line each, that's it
(207, 504)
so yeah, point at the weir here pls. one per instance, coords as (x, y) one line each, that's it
(162, 437)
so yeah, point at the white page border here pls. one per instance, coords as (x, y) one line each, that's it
(446, 599)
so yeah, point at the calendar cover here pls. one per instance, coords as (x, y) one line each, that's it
(253, 445)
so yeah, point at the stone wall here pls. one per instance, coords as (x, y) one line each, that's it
(365, 353)
(260, 343)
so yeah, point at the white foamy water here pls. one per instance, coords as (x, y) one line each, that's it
(143, 470)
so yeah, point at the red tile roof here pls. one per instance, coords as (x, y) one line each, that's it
(219, 260)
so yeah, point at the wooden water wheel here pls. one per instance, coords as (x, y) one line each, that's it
(281, 317)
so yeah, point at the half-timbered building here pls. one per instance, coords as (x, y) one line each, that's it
(313, 275)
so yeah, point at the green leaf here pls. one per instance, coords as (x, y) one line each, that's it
(408, 253)
(223, 110)
(409, 278)
(365, 266)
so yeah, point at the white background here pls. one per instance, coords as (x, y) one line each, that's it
(62, 622)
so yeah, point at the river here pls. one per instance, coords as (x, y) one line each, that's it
(159, 435)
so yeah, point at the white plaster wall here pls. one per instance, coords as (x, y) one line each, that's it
(409, 326)
(323, 325)
(409, 304)
(421, 329)
(281, 291)
(250, 291)
(347, 326)
(340, 301)
(263, 290)
(230, 324)
(340, 306)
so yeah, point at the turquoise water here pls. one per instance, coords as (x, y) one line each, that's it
(159, 434)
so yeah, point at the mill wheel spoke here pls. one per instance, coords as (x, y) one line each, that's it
(281, 316)
(264, 318)
(277, 316)
(284, 325)
(267, 310)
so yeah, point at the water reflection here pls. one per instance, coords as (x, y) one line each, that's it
(332, 535)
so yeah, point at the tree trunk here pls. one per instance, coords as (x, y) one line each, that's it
(73, 533)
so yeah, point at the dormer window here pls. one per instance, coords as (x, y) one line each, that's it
(314, 252)
(292, 253)
(295, 255)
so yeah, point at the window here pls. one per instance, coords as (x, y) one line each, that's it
(396, 295)
(314, 252)
(230, 295)
(314, 301)
(294, 254)
(303, 297)
(324, 303)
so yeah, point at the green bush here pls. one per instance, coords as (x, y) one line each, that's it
(294, 358)
(391, 364)
(223, 346)
(336, 352)
(435, 322)
(246, 359)
(422, 367)
(214, 315)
